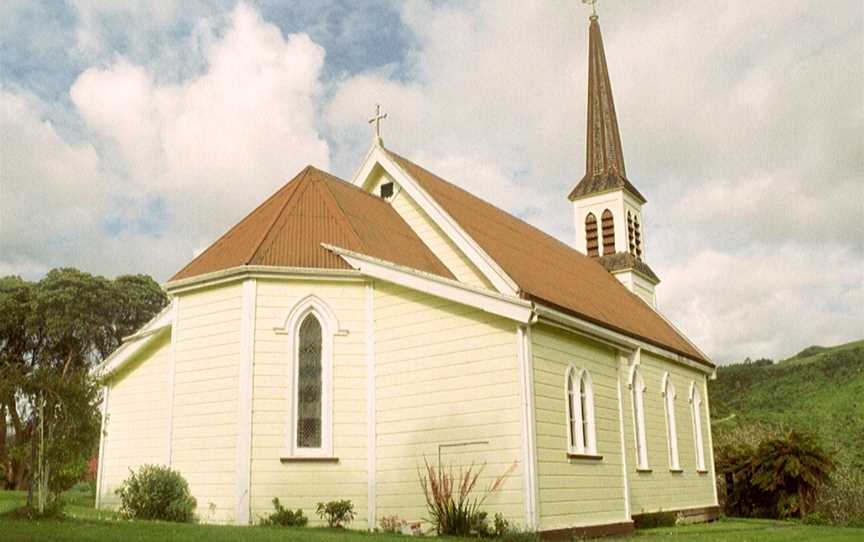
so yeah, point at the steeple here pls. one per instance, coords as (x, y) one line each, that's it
(604, 160)
(607, 207)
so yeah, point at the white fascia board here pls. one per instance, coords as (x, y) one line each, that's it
(127, 351)
(512, 308)
(466, 244)
(241, 272)
(613, 338)
(132, 344)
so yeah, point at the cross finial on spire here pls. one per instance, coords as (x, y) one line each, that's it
(593, 4)
(376, 120)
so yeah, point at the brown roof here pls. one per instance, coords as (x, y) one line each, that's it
(549, 271)
(314, 208)
(625, 260)
(604, 162)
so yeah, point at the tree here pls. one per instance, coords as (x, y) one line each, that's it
(52, 333)
(792, 468)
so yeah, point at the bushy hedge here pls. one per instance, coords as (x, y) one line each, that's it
(284, 517)
(156, 492)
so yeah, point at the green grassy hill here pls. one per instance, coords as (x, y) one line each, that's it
(818, 391)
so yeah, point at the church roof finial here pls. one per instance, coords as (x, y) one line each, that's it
(376, 122)
(604, 163)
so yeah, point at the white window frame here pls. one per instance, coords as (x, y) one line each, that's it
(696, 413)
(579, 443)
(669, 395)
(329, 328)
(637, 389)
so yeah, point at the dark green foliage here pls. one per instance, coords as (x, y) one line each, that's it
(337, 514)
(658, 519)
(777, 478)
(282, 517)
(52, 333)
(156, 492)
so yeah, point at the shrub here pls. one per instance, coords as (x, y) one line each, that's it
(282, 517)
(840, 501)
(156, 492)
(452, 508)
(391, 524)
(336, 513)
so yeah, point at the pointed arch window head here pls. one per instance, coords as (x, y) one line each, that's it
(671, 427)
(608, 227)
(310, 327)
(581, 436)
(637, 387)
(696, 413)
(591, 237)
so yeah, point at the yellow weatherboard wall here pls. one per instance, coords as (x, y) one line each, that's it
(136, 428)
(446, 373)
(300, 484)
(661, 489)
(430, 233)
(576, 492)
(205, 398)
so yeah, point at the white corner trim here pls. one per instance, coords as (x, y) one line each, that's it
(622, 362)
(509, 307)
(100, 476)
(613, 338)
(244, 401)
(710, 466)
(172, 379)
(529, 429)
(371, 406)
(472, 250)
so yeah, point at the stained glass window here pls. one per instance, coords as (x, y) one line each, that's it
(309, 384)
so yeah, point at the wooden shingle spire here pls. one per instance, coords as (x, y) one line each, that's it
(604, 162)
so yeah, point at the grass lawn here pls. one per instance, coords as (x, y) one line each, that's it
(86, 524)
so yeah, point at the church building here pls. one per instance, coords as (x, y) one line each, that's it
(345, 332)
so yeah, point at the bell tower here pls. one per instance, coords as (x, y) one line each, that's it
(607, 207)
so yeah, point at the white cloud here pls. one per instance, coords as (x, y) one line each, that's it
(741, 126)
(172, 165)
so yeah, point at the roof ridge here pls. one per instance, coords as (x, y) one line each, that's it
(234, 228)
(302, 186)
(511, 215)
(334, 201)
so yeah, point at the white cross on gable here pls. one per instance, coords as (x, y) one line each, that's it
(376, 121)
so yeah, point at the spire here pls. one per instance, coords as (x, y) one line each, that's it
(604, 163)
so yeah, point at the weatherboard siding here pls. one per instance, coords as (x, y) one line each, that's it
(136, 425)
(440, 245)
(445, 373)
(660, 489)
(304, 484)
(204, 433)
(576, 492)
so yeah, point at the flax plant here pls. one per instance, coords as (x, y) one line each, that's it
(453, 507)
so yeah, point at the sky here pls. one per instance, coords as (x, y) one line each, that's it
(133, 133)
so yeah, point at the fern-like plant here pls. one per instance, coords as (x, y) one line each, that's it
(792, 468)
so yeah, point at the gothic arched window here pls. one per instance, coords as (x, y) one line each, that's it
(581, 437)
(608, 226)
(634, 235)
(310, 388)
(696, 412)
(591, 244)
(637, 387)
(671, 428)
